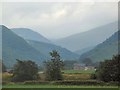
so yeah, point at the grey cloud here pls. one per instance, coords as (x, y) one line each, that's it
(57, 20)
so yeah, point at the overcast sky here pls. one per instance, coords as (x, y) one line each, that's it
(58, 20)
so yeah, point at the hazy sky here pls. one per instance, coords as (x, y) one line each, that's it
(57, 20)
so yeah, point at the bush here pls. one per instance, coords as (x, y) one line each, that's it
(109, 70)
(25, 70)
(82, 82)
(3, 67)
(72, 82)
(93, 76)
(67, 82)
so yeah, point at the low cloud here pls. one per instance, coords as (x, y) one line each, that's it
(57, 20)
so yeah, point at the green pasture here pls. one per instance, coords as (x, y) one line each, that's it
(78, 71)
(68, 75)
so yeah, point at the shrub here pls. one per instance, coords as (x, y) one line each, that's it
(109, 70)
(81, 82)
(25, 70)
(72, 82)
(93, 76)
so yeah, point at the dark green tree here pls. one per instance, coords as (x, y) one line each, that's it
(69, 64)
(109, 70)
(87, 61)
(3, 67)
(53, 67)
(25, 70)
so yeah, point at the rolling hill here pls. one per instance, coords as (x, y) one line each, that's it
(15, 47)
(89, 38)
(105, 50)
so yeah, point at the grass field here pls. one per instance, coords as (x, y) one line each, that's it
(78, 71)
(68, 75)
(76, 76)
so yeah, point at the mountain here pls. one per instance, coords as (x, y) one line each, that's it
(89, 38)
(14, 47)
(47, 47)
(84, 50)
(105, 50)
(30, 35)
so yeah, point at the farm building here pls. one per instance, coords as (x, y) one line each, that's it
(82, 67)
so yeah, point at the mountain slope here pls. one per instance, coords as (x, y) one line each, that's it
(30, 35)
(104, 50)
(84, 50)
(43, 46)
(46, 48)
(14, 47)
(89, 38)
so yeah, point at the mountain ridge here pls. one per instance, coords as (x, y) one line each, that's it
(104, 50)
(33, 35)
(14, 47)
(46, 47)
(87, 39)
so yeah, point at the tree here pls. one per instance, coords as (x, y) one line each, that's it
(69, 64)
(3, 67)
(87, 61)
(109, 70)
(25, 70)
(53, 67)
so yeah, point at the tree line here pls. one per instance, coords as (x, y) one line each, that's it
(107, 70)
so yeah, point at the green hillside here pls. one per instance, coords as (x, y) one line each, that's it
(45, 48)
(30, 35)
(14, 47)
(89, 38)
(104, 50)
(44, 45)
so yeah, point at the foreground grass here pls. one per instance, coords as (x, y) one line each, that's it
(53, 86)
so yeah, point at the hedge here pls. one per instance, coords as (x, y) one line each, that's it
(73, 82)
